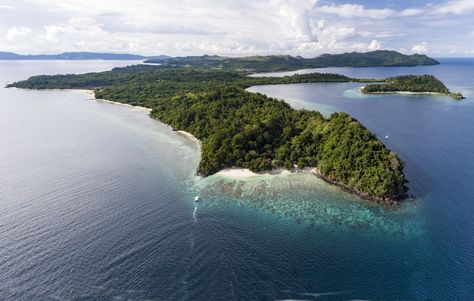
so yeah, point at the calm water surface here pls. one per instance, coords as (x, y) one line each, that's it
(96, 203)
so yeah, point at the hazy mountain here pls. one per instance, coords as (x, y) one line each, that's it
(77, 56)
(377, 58)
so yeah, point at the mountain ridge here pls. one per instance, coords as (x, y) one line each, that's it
(378, 58)
(260, 63)
(82, 55)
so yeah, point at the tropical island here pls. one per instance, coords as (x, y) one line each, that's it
(250, 130)
(240, 129)
(413, 84)
(268, 63)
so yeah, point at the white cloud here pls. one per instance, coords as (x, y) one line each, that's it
(17, 32)
(75, 29)
(410, 12)
(181, 26)
(356, 10)
(330, 36)
(374, 45)
(229, 27)
(79, 34)
(320, 24)
(457, 7)
(420, 48)
(297, 13)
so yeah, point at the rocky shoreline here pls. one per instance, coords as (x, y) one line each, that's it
(392, 202)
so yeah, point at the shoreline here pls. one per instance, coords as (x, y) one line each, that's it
(187, 135)
(91, 92)
(148, 110)
(140, 108)
(245, 173)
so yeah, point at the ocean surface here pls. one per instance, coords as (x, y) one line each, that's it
(97, 202)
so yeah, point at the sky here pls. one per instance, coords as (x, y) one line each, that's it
(237, 27)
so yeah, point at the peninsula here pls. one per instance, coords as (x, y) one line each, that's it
(250, 130)
(413, 84)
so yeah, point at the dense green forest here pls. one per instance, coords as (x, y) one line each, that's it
(285, 62)
(250, 130)
(147, 85)
(411, 83)
(253, 131)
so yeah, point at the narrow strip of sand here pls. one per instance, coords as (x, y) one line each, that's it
(244, 173)
(191, 137)
(124, 104)
(144, 109)
(92, 94)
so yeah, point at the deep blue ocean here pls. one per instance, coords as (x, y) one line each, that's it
(97, 202)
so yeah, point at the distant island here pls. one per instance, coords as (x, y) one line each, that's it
(250, 130)
(268, 63)
(379, 58)
(414, 84)
(77, 56)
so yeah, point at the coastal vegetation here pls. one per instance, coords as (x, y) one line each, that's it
(250, 130)
(411, 83)
(376, 58)
(253, 131)
(148, 86)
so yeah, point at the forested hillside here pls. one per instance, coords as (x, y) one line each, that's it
(378, 58)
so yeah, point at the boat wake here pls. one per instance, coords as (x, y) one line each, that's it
(194, 213)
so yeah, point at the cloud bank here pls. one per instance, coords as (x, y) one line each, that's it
(185, 27)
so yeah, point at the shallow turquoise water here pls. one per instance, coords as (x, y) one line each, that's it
(96, 203)
(305, 199)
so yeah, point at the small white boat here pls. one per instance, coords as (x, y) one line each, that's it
(196, 198)
(386, 137)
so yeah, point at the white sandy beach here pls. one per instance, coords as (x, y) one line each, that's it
(92, 94)
(147, 110)
(191, 137)
(139, 108)
(244, 173)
